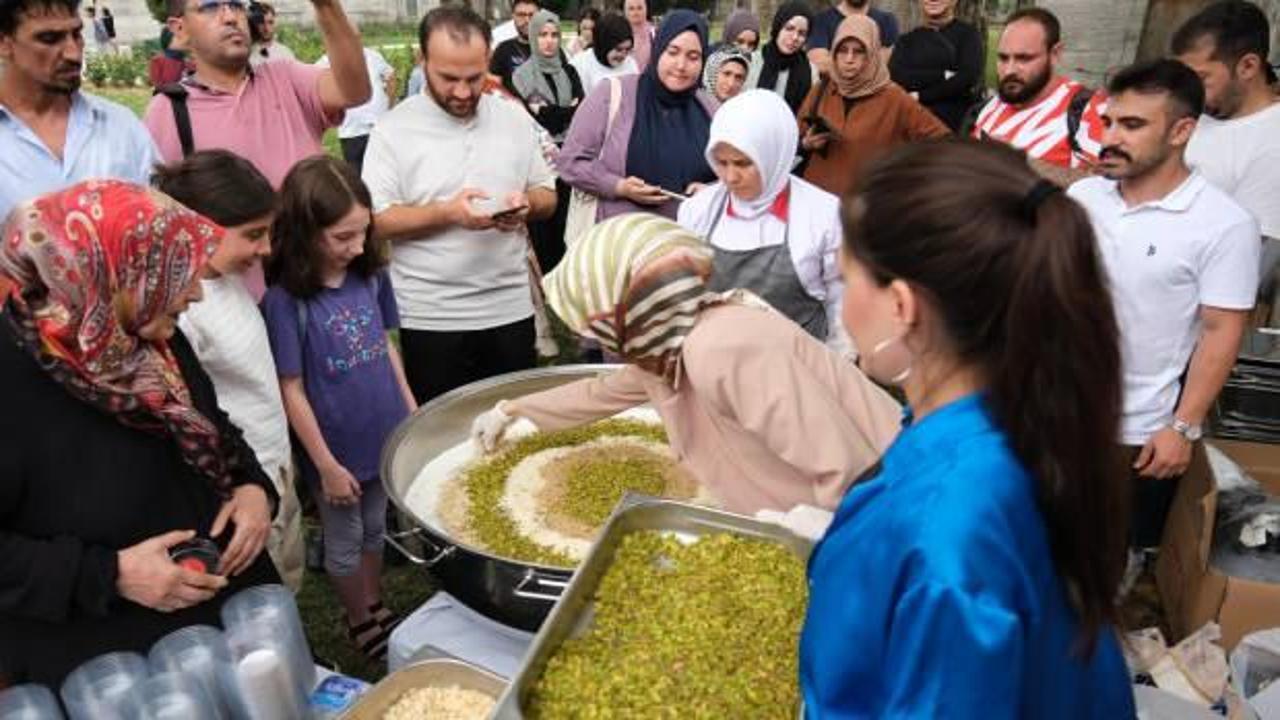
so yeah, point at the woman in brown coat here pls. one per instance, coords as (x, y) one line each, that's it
(858, 113)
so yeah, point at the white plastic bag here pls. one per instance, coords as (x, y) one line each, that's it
(1194, 669)
(1255, 663)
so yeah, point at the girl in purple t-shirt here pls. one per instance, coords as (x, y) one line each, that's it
(328, 308)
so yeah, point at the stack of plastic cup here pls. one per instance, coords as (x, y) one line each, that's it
(272, 661)
(97, 689)
(29, 702)
(170, 696)
(201, 653)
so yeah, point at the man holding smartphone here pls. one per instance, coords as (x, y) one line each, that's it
(455, 173)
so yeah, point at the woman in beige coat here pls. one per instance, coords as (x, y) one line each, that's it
(760, 412)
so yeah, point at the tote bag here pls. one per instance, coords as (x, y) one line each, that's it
(582, 204)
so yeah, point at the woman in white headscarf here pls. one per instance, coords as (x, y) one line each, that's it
(773, 233)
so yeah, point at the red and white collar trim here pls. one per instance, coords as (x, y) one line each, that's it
(780, 208)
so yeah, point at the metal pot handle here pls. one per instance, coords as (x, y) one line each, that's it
(440, 553)
(533, 577)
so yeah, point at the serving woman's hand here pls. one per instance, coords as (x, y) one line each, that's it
(149, 577)
(250, 511)
(805, 521)
(489, 427)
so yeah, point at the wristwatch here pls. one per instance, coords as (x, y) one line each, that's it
(1191, 432)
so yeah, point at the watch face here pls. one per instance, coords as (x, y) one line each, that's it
(1187, 430)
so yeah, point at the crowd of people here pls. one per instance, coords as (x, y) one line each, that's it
(766, 231)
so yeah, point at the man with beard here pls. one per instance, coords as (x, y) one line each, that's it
(454, 173)
(1237, 142)
(273, 115)
(826, 22)
(513, 52)
(1182, 258)
(1045, 115)
(262, 30)
(51, 134)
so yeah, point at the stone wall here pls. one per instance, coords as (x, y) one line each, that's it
(1101, 36)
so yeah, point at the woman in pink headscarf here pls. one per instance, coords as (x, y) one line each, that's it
(858, 114)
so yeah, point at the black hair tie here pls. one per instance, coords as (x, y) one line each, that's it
(1035, 197)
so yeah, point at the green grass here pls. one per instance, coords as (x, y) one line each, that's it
(135, 99)
(404, 589)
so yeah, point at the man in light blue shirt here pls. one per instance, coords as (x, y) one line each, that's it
(51, 134)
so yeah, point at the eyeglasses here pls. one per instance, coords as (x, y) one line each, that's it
(213, 8)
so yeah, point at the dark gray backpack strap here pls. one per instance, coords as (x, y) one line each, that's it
(1075, 113)
(177, 95)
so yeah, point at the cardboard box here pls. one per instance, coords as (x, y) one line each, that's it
(1194, 593)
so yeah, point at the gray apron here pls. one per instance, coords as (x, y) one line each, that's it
(768, 272)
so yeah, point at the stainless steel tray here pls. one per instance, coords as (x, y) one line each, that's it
(439, 672)
(572, 615)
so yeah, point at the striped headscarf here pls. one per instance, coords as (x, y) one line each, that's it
(636, 283)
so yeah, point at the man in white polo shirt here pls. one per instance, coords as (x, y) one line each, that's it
(454, 173)
(1182, 258)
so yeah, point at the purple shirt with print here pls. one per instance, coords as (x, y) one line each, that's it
(344, 362)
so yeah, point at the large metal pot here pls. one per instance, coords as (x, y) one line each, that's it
(511, 591)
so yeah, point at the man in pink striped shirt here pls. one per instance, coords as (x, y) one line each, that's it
(273, 115)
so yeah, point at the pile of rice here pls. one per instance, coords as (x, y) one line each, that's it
(441, 703)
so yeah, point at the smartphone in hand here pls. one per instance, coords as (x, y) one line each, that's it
(508, 212)
(819, 124)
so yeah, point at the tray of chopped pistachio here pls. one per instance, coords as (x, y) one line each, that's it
(677, 611)
(437, 688)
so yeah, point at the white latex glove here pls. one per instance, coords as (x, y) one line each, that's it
(805, 521)
(489, 427)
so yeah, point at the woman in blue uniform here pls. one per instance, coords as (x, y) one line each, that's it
(972, 573)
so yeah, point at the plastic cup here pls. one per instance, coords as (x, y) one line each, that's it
(170, 696)
(201, 653)
(97, 690)
(29, 702)
(267, 686)
(265, 618)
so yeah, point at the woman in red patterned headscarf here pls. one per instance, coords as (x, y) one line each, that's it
(115, 449)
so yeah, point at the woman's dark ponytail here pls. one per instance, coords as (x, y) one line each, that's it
(1013, 268)
(1058, 396)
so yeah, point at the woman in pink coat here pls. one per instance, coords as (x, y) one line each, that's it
(760, 412)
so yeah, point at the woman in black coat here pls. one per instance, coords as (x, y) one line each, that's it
(114, 447)
(940, 62)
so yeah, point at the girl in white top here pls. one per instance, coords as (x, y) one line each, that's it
(609, 54)
(773, 233)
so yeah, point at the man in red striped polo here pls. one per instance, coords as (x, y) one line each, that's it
(1052, 118)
